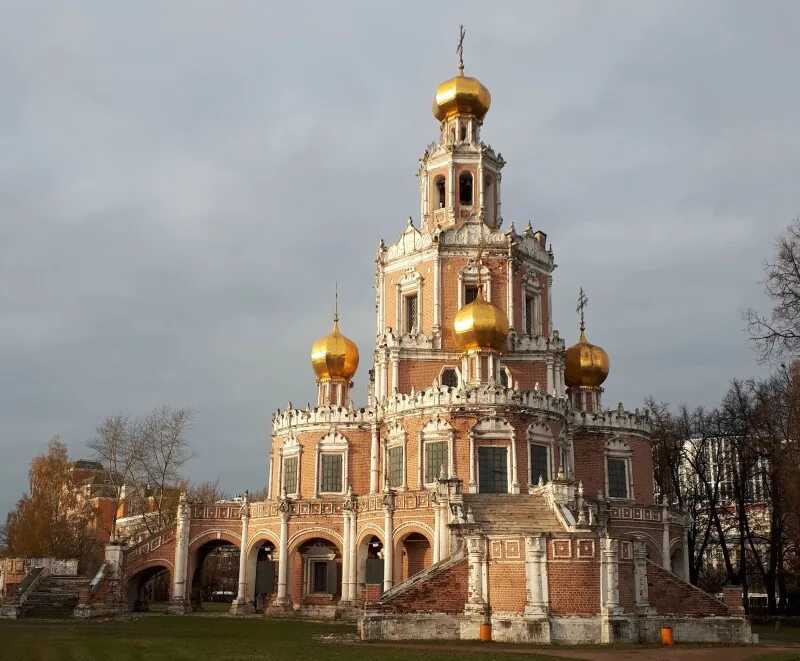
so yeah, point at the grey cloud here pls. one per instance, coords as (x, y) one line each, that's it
(182, 182)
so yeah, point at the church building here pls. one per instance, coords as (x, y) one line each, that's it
(482, 480)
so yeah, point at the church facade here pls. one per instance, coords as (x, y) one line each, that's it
(483, 481)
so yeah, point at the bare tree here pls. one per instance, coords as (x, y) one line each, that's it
(204, 493)
(119, 449)
(778, 333)
(164, 452)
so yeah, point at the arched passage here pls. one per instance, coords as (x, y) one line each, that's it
(150, 585)
(370, 561)
(315, 571)
(213, 569)
(413, 554)
(262, 573)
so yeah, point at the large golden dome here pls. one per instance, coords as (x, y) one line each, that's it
(461, 95)
(586, 364)
(480, 325)
(334, 356)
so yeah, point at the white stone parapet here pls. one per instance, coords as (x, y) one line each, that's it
(323, 415)
(617, 420)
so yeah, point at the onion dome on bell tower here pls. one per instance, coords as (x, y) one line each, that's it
(480, 331)
(334, 359)
(459, 174)
(586, 367)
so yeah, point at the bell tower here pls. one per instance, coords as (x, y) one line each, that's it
(460, 176)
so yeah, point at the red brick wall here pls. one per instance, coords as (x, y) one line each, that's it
(445, 592)
(670, 595)
(507, 587)
(627, 597)
(574, 584)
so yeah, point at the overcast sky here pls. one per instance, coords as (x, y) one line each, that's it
(182, 182)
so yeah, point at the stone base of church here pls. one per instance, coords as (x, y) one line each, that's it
(513, 628)
(243, 608)
(178, 606)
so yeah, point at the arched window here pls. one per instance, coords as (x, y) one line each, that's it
(489, 201)
(440, 192)
(450, 377)
(503, 377)
(465, 188)
(463, 133)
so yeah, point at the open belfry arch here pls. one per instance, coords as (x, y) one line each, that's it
(482, 480)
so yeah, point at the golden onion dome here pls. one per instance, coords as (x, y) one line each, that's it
(480, 325)
(461, 95)
(334, 356)
(586, 364)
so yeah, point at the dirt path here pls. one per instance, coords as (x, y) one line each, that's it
(642, 654)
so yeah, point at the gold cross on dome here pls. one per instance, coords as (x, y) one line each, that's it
(582, 301)
(460, 48)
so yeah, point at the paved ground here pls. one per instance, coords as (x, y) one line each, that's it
(642, 654)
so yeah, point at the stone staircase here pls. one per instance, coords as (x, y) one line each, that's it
(55, 597)
(512, 514)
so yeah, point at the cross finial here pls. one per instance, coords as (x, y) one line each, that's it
(460, 48)
(336, 302)
(582, 301)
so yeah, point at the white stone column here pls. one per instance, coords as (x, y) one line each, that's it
(388, 540)
(476, 550)
(353, 556)
(550, 380)
(666, 560)
(395, 372)
(480, 185)
(178, 600)
(241, 597)
(686, 574)
(437, 529)
(513, 451)
(384, 376)
(451, 188)
(472, 483)
(346, 551)
(641, 592)
(437, 287)
(283, 556)
(510, 290)
(536, 575)
(497, 197)
(374, 453)
(611, 575)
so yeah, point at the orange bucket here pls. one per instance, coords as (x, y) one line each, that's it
(666, 636)
(486, 632)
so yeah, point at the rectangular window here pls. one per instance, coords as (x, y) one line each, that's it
(411, 313)
(396, 466)
(436, 459)
(539, 463)
(320, 576)
(332, 473)
(617, 478)
(290, 475)
(530, 314)
(470, 294)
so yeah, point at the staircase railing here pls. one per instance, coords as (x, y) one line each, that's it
(401, 587)
(30, 582)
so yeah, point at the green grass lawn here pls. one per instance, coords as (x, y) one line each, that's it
(156, 636)
(785, 634)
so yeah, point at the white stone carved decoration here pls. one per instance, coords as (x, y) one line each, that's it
(410, 241)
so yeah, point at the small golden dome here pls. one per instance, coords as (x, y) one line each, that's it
(461, 95)
(586, 364)
(334, 356)
(480, 325)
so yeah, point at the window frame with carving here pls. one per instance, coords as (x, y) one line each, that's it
(616, 449)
